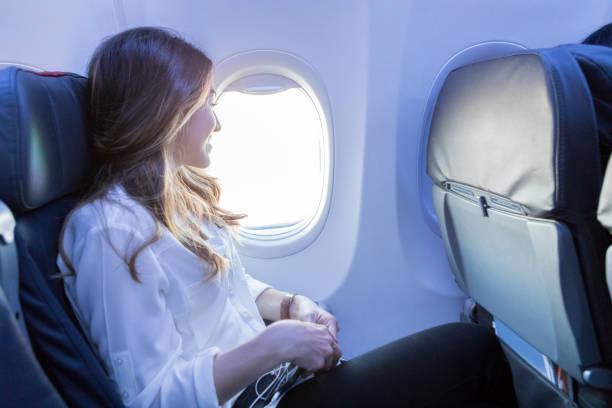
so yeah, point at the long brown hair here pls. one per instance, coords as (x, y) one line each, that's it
(144, 85)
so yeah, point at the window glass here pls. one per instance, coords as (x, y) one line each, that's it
(268, 156)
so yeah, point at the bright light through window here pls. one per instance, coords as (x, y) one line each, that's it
(268, 158)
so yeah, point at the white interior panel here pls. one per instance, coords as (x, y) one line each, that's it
(55, 36)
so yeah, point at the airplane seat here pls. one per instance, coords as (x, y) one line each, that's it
(32, 387)
(514, 153)
(44, 162)
(604, 215)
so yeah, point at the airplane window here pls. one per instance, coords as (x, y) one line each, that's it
(269, 155)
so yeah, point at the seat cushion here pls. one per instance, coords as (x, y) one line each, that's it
(22, 382)
(59, 344)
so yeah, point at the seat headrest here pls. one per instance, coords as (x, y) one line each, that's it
(44, 152)
(523, 127)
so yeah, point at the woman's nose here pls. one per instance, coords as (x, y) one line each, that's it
(217, 123)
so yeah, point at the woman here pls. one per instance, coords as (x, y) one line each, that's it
(154, 277)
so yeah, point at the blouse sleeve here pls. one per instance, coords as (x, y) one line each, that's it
(256, 287)
(132, 326)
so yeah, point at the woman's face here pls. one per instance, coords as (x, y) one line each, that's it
(195, 144)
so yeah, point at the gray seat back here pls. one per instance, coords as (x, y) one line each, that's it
(604, 214)
(514, 154)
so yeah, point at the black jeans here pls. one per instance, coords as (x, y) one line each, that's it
(453, 365)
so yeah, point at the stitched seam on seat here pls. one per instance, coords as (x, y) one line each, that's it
(56, 131)
(55, 128)
(18, 164)
(558, 142)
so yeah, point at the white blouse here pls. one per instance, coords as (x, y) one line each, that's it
(157, 338)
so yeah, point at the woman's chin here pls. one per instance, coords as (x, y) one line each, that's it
(203, 163)
(206, 162)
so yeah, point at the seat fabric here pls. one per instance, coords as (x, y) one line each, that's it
(22, 381)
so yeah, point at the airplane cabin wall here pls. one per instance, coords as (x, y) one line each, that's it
(377, 263)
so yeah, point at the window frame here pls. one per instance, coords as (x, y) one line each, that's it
(296, 69)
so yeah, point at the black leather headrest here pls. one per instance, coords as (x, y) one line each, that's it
(524, 127)
(43, 137)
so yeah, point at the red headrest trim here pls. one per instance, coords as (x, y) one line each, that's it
(49, 73)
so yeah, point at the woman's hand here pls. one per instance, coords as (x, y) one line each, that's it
(309, 345)
(304, 309)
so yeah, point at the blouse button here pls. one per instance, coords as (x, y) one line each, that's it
(125, 395)
(119, 361)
